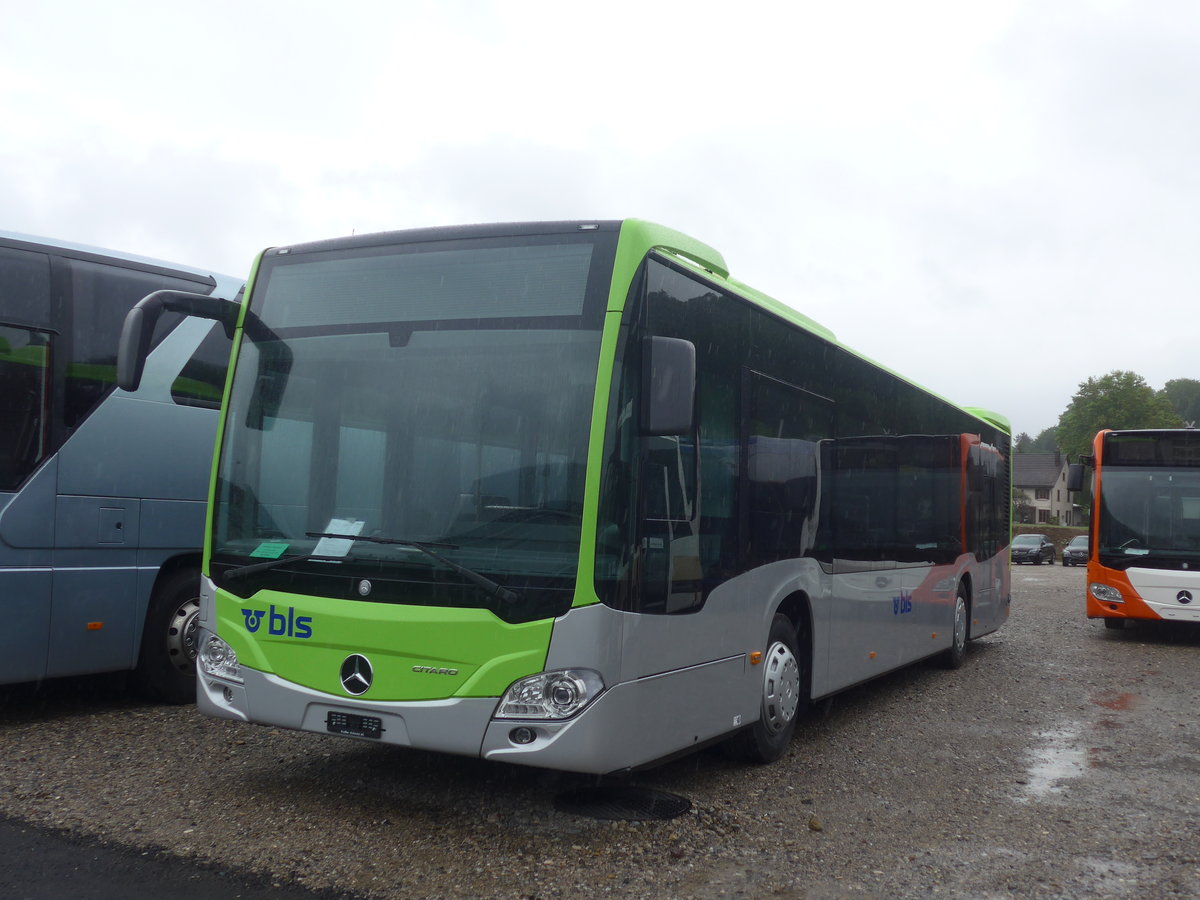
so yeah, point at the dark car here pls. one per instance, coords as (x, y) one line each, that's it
(1076, 552)
(1032, 548)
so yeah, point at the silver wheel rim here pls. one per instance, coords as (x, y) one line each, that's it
(781, 688)
(181, 636)
(960, 622)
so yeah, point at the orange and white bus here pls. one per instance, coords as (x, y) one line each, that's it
(1144, 539)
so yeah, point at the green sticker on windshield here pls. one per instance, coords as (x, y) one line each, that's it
(269, 550)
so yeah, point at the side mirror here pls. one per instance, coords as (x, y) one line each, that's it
(138, 328)
(668, 386)
(1075, 477)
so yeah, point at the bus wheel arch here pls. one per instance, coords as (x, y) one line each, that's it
(166, 668)
(783, 685)
(960, 626)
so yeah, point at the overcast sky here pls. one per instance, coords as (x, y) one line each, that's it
(998, 199)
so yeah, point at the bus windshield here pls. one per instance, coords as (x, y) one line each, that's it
(1149, 516)
(409, 424)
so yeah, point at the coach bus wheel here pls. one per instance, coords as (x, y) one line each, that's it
(167, 664)
(768, 738)
(952, 657)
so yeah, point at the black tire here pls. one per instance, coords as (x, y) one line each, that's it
(166, 668)
(1114, 624)
(952, 657)
(783, 678)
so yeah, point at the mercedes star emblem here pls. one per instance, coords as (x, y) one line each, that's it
(356, 674)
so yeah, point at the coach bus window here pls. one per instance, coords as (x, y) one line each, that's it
(202, 381)
(24, 372)
(100, 297)
(25, 317)
(24, 288)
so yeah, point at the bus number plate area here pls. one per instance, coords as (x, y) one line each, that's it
(353, 725)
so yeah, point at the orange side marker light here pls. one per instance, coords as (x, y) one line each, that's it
(755, 657)
(94, 626)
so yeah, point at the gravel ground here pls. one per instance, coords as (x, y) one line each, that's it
(1061, 761)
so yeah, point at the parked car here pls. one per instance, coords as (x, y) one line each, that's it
(1032, 548)
(1076, 552)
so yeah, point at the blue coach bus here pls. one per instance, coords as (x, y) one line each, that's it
(102, 492)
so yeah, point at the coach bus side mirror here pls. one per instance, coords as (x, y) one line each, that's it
(138, 329)
(1075, 477)
(668, 386)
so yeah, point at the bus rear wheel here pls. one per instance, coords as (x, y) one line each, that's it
(166, 667)
(767, 739)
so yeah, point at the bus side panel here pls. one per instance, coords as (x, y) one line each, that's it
(26, 542)
(25, 609)
(92, 620)
(884, 618)
(164, 453)
(733, 623)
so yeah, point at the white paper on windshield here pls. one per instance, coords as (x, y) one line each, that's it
(338, 546)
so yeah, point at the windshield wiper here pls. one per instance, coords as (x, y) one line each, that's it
(242, 571)
(427, 547)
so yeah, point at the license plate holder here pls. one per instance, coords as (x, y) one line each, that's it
(354, 725)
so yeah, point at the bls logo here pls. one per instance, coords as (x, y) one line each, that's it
(902, 604)
(278, 624)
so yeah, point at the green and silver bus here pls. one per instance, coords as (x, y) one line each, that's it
(568, 495)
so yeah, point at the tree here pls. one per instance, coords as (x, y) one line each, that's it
(1022, 443)
(1184, 396)
(1046, 441)
(1022, 507)
(1116, 400)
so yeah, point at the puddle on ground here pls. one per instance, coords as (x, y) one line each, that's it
(1055, 759)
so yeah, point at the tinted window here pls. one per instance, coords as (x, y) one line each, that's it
(202, 380)
(101, 296)
(24, 402)
(786, 429)
(24, 288)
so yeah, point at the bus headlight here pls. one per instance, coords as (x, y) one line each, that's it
(550, 695)
(218, 659)
(1105, 593)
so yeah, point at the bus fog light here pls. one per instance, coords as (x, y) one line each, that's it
(550, 695)
(218, 659)
(522, 735)
(1105, 593)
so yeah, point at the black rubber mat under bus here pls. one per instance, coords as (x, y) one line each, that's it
(626, 802)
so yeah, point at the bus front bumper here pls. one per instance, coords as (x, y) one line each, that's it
(627, 726)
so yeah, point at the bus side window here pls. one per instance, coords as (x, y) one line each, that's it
(202, 381)
(25, 348)
(25, 374)
(101, 295)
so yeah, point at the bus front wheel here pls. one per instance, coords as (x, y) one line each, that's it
(767, 739)
(166, 666)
